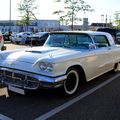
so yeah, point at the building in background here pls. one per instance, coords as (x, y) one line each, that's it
(49, 25)
(36, 25)
(85, 24)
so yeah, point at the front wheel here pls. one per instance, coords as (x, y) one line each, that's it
(72, 82)
(116, 67)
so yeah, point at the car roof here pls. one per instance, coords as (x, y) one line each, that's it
(91, 33)
(81, 32)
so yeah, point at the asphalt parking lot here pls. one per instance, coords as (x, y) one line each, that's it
(97, 100)
(11, 46)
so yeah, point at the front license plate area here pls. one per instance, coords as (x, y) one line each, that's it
(17, 90)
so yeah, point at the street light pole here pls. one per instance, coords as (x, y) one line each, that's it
(10, 16)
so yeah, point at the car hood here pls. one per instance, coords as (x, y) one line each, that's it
(33, 55)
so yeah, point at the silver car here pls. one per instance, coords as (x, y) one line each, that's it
(21, 37)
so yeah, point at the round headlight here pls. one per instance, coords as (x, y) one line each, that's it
(49, 67)
(46, 66)
(42, 66)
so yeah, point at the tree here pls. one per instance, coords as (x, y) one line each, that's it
(26, 8)
(71, 10)
(117, 19)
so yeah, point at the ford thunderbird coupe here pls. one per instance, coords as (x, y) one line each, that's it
(65, 60)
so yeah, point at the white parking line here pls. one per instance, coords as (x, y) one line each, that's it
(71, 102)
(2, 117)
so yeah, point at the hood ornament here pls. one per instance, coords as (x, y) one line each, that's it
(50, 55)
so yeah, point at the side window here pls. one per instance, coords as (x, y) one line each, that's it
(84, 41)
(28, 33)
(101, 41)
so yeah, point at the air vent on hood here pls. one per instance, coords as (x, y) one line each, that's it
(33, 51)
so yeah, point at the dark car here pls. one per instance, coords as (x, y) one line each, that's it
(7, 36)
(112, 31)
(37, 39)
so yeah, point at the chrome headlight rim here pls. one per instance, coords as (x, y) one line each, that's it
(46, 66)
(42, 66)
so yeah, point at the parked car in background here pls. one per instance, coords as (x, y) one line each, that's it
(22, 36)
(7, 36)
(14, 37)
(111, 31)
(2, 47)
(118, 37)
(65, 60)
(37, 38)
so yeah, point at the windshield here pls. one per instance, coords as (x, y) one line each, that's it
(77, 41)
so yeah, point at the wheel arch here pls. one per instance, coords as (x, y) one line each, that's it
(80, 71)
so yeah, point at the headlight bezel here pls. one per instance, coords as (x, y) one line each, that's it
(46, 66)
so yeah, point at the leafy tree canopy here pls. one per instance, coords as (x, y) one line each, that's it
(26, 9)
(117, 19)
(71, 9)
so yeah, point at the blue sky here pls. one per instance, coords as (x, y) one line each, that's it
(46, 8)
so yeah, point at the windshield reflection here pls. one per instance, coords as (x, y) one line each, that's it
(76, 41)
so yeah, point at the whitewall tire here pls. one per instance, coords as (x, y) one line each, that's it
(72, 82)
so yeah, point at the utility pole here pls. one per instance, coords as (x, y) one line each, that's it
(10, 17)
(106, 21)
(102, 20)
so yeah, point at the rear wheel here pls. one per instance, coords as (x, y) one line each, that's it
(72, 82)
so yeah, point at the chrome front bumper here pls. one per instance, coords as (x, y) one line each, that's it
(27, 80)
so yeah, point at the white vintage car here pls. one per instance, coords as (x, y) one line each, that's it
(65, 60)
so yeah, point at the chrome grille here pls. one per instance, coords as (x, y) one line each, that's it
(7, 73)
(18, 79)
